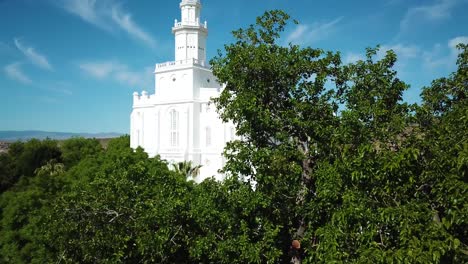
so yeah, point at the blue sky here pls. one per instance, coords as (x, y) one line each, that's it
(72, 65)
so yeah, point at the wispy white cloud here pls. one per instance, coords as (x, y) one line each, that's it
(33, 56)
(438, 10)
(14, 72)
(352, 57)
(308, 33)
(402, 51)
(116, 71)
(58, 87)
(405, 54)
(134, 78)
(297, 34)
(86, 10)
(436, 57)
(100, 70)
(124, 20)
(455, 41)
(107, 15)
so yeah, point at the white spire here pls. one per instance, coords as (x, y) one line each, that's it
(190, 33)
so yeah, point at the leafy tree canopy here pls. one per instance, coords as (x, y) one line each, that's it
(358, 183)
(332, 167)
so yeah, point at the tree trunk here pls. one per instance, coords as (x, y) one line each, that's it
(300, 198)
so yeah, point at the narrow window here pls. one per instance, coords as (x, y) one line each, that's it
(174, 128)
(208, 136)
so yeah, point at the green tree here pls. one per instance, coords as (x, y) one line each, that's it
(277, 99)
(37, 153)
(227, 224)
(23, 158)
(350, 185)
(76, 149)
(21, 226)
(443, 122)
(7, 172)
(131, 209)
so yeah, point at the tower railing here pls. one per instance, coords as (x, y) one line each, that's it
(190, 2)
(196, 62)
(190, 23)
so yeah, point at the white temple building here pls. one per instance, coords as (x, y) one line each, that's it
(178, 122)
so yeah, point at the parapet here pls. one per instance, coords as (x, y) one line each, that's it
(142, 100)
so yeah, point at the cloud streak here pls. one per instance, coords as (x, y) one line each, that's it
(124, 20)
(14, 72)
(352, 57)
(86, 10)
(116, 71)
(401, 50)
(33, 56)
(58, 87)
(108, 15)
(455, 41)
(438, 10)
(308, 33)
(435, 58)
(100, 70)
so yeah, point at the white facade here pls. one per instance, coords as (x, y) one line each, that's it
(177, 121)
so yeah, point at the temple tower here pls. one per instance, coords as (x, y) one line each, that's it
(190, 34)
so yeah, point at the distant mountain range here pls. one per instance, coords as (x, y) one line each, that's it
(29, 134)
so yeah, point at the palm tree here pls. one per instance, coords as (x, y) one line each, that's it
(186, 168)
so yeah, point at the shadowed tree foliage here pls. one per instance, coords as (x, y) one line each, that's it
(22, 207)
(24, 158)
(37, 153)
(7, 172)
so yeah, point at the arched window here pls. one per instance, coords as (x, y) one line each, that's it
(174, 128)
(208, 136)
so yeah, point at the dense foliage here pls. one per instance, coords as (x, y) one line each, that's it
(332, 167)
